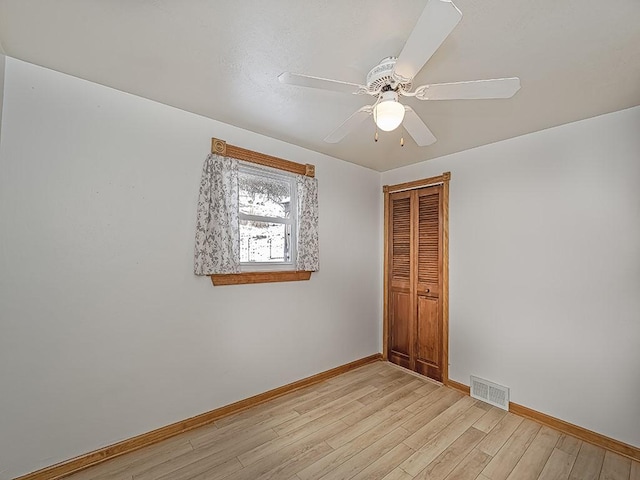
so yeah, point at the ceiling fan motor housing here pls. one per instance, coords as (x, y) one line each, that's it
(381, 76)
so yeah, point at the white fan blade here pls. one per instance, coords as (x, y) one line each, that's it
(435, 24)
(349, 124)
(478, 89)
(414, 125)
(322, 83)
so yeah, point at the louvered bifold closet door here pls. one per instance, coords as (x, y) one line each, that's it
(401, 330)
(428, 341)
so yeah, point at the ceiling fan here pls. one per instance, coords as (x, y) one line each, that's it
(392, 77)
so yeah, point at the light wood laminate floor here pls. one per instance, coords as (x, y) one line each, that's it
(376, 422)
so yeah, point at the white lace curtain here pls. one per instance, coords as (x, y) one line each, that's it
(307, 252)
(217, 246)
(217, 230)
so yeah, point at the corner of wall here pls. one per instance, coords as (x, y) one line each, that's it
(70, 117)
(2, 62)
(381, 262)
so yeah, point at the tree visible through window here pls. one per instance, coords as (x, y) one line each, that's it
(267, 218)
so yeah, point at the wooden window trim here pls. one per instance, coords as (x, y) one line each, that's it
(220, 147)
(260, 277)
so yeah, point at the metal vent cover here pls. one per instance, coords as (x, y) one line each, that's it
(489, 392)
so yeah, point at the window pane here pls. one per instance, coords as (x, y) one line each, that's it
(264, 196)
(264, 242)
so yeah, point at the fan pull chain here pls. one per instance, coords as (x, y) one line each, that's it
(402, 141)
(375, 137)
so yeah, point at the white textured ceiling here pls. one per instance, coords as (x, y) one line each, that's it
(221, 59)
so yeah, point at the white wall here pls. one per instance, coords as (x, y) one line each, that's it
(105, 333)
(2, 64)
(545, 269)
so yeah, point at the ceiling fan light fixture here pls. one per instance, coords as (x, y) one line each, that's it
(388, 112)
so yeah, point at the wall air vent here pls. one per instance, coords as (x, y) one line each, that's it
(490, 392)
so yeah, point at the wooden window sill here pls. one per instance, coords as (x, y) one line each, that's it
(260, 277)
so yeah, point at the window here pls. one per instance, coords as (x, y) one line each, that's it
(267, 218)
(257, 218)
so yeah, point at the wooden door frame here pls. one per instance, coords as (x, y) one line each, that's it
(387, 191)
